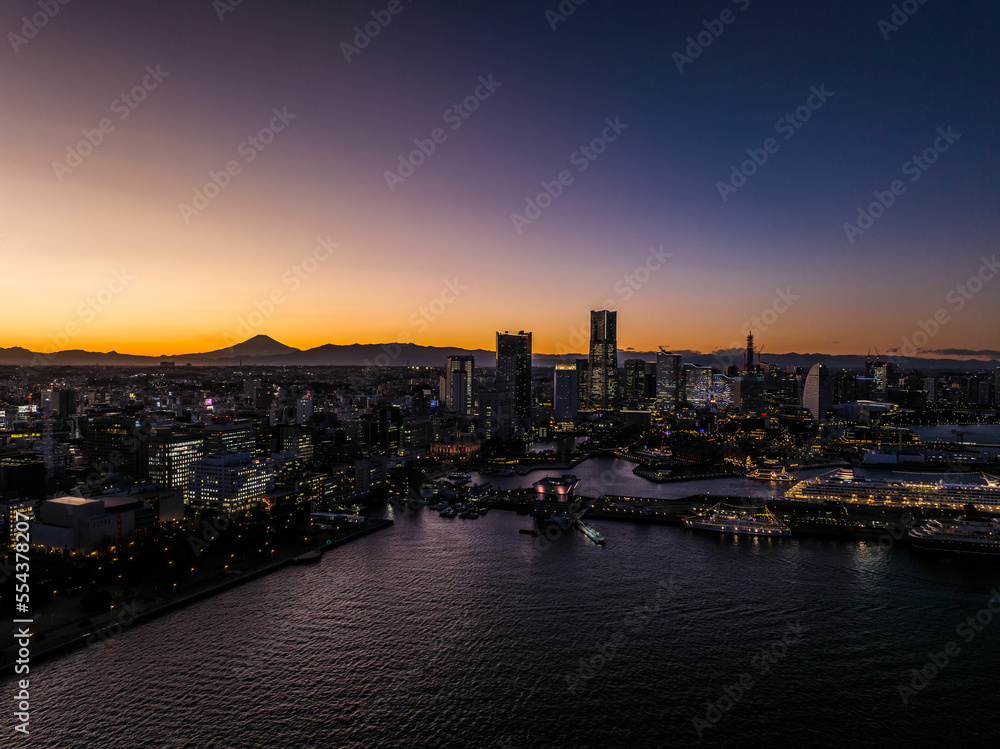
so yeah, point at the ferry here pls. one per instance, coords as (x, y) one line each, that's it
(762, 474)
(969, 533)
(843, 486)
(591, 533)
(746, 522)
(458, 477)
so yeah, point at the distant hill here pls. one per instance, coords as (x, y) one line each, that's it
(262, 350)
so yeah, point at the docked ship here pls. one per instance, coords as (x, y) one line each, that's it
(758, 522)
(970, 533)
(844, 486)
(762, 474)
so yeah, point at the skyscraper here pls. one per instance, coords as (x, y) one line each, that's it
(459, 373)
(514, 375)
(818, 393)
(635, 380)
(582, 384)
(668, 382)
(564, 391)
(603, 358)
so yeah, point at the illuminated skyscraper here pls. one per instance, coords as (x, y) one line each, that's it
(668, 382)
(818, 393)
(514, 375)
(603, 359)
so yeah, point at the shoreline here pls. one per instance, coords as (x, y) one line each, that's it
(80, 641)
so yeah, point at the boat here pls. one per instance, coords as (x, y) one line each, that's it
(742, 521)
(449, 512)
(457, 477)
(310, 557)
(506, 472)
(469, 515)
(591, 533)
(970, 533)
(440, 506)
(483, 510)
(844, 486)
(762, 474)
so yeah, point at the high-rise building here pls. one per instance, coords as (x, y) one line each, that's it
(564, 391)
(603, 359)
(635, 380)
(459, 384)
(582, 384)
(230, 482)
(884, 374)
(818, 393)
(996, 387)
(117, 443)
(171, 457)
(230, 437)
(496, 414)
(668, 382)
(514, 375)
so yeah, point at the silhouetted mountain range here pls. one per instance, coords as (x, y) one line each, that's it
(262, 350)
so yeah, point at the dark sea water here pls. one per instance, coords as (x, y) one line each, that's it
(455, 633)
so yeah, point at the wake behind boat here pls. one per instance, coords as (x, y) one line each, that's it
(723, 519)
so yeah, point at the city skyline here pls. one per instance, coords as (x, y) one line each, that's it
(160, 194)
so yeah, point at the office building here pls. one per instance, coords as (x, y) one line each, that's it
(171, 457)
(565, 392)
(582, 384)
(459, 385)
(230, 482)
(603, 359)
(514, 375)
(668, 382)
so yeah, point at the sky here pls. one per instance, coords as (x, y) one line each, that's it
(180, 176)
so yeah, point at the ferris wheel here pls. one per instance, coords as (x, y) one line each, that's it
(715, 393)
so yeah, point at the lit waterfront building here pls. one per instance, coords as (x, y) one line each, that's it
(171, 458)
(230, 482)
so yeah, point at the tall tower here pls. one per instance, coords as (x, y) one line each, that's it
(514, 374)
(818, 393)
(668, 382)
(603, 358)
(459, 383)
(748, 363)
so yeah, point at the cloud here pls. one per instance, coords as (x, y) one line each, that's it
(993, 353)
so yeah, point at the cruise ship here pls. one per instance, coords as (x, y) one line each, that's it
(740, 521)
(844, 486)
(969, 534)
